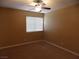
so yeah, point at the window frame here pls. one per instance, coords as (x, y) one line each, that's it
(36, 17)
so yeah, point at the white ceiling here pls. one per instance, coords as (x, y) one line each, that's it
(26, 4)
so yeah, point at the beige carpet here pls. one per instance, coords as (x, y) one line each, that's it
(40, 50)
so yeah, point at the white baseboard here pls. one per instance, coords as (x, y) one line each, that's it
(20, 44)
(53, 44)
(60, 47)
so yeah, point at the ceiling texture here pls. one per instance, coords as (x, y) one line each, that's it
(27, 5)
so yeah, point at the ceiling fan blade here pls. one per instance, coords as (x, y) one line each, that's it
(46, 8)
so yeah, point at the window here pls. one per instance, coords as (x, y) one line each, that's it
(34, 24)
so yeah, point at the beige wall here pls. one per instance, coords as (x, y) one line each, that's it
(13, 25)
(62, 27)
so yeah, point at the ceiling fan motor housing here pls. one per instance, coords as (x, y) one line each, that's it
(38, 1)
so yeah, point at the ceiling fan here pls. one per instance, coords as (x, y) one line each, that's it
(40, 6)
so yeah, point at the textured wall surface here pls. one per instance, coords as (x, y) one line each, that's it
(13, 27)
(62, 27)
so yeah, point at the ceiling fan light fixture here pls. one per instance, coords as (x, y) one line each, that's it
(38, 8)
(39, 4)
